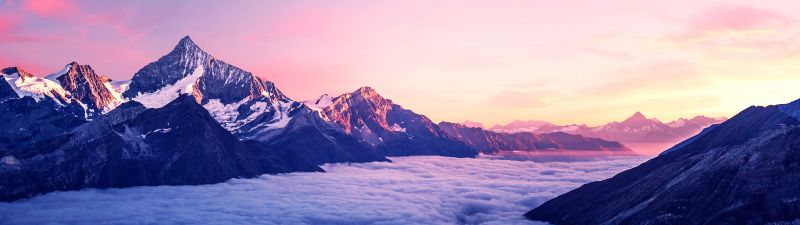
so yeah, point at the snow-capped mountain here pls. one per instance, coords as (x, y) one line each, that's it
(636, 129)
(378, 122)
(34, 109)
(246, 105)
(93, 90)
(24, 84)
(493, 142)
(745, 170)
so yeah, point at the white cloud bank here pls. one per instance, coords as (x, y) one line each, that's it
(412, 190)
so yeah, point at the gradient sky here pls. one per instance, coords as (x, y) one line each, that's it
(488, 61)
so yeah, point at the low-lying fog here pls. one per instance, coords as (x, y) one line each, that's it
(411, 190)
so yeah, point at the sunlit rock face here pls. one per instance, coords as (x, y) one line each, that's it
(743, 171)
(395, 131)
(93, 90)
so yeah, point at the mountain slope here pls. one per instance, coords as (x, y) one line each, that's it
(34, 109)
(243, 103)
(492, 142)
(319, 142)
(25, 84)
(522, 126)
(88, 87)
(179, 143)
(388, 127)
(743, 171)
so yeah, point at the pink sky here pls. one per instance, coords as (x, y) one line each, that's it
(487, 61)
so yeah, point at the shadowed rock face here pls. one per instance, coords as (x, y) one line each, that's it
(6, 91)
(88, 87)
(320, 142)
(743, 171)
(388, 127)
(26, 121)
(492, 142)
(177, 144)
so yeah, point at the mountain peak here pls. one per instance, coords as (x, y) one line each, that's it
(186, 40)
(638, 119)
(367, 92)
(186, 45)
(470, 123)
(637, 116)
(19, 71)
(365, 89)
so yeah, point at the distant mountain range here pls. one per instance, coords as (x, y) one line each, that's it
(633, 131)
(188, 118)
(490, 142)
(745, 170)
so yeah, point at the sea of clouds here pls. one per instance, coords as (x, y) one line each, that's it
(411, 190)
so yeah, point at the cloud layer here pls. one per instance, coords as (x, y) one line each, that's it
(412, 190)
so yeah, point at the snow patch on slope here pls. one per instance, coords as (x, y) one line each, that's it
(227, 115)
(397, 128)
(35, 87)
(54, 76)
(165, 95)
(116, 88)
(321, 102)
(281, 118)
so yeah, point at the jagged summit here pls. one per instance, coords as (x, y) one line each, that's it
(379, 123)
(200, 74)
(243, 103)
(366, 89)
(186, 45)
(637, 116)
(186, 40)
(86, 85)
(17, 70)
(367, 93)
(639, 120)
(470, 123)
(26, 84)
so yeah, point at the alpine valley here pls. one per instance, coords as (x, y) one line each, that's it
(189, 118)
